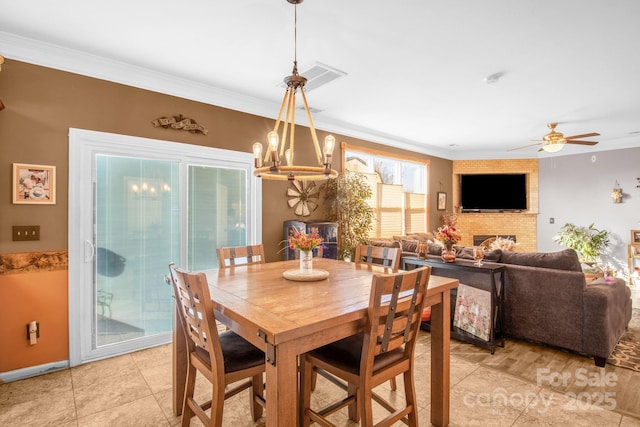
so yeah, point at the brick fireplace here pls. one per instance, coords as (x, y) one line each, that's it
(522, 225)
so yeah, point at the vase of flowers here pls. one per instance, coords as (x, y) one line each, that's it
(448, 254)
(448, 235)
(306, 243)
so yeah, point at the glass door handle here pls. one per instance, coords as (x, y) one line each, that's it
(91, 250)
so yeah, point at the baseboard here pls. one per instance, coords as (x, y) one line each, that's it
(32, 371)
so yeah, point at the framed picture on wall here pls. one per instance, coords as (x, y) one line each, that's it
(442, 201)
(34, 184)
(635, 237)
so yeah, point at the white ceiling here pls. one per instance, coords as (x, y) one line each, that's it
(415, 69)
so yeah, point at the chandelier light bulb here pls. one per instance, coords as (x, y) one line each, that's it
(329, 144)
(272, 139)
(257, 150)
(257, 154)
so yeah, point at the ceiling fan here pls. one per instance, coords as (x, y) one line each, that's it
(554, 141)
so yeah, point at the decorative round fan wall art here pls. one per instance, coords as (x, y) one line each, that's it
(303, 197)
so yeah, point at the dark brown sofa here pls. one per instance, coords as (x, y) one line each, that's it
(548, 300)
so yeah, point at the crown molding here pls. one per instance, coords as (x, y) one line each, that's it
(74, 61)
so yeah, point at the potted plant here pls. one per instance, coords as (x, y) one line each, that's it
(346, 204)
(588, 242)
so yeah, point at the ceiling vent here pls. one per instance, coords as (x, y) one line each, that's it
(318, 75)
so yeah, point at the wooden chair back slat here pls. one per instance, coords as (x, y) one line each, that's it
(240, 255)
(378, 255)
(196, 310)
(394, 314)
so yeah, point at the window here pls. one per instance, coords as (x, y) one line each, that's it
(399, 187)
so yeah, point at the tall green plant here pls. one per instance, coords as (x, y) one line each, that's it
(346, 204)
(588, 242)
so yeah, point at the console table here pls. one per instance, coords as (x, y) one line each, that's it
(488, 276)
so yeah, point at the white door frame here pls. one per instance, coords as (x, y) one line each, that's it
(83, 147)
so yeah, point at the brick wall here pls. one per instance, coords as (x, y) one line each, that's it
(522, 224)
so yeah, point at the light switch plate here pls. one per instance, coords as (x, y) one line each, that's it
(25, 232)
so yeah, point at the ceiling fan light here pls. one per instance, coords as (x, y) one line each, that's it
(553, 148)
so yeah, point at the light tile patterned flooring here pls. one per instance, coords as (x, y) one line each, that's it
(520, 385)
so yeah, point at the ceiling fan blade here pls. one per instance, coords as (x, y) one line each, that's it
(571, 141)
(526, 146)
(584, 135)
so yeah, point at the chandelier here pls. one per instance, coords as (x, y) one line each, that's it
(270, 165)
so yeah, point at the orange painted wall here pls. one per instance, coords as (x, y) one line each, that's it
(38, 296)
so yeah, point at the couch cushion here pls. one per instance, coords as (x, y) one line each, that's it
(563, 260)
(384, 243)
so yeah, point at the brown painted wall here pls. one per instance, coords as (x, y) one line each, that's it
(42, 104)
(41, 297)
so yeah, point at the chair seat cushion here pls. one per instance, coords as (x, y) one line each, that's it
(346, 353)
(238, 353)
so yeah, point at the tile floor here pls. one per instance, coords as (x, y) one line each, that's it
(520, 385)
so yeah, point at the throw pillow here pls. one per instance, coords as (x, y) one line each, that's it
(434, 248)
(465, 252)
(493, 256)
(420, 236)
(409, 245)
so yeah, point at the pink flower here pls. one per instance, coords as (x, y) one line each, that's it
(448, 234)
(304, 241)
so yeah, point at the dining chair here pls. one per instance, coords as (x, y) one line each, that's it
(240, 255)
(383, 350)
(375, 255)
(378, 255)
(384, 256)
(223, 358)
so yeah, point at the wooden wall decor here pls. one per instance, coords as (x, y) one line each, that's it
(179, 123)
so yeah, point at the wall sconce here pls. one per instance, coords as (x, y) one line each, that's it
(616, 193)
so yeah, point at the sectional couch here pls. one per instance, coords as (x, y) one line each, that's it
(548, 300)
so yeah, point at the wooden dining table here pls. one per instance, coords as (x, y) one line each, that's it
(287, 318)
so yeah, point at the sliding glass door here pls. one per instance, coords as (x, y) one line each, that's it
(135, 205)
(137, 231)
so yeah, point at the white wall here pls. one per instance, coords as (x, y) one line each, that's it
(577, 189)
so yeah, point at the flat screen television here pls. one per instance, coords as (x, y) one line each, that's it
(493, 192)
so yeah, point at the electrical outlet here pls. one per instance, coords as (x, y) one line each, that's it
(552, 220)
(25, 232)
(37, 330)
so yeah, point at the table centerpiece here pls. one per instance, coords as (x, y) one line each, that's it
(305, 243)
